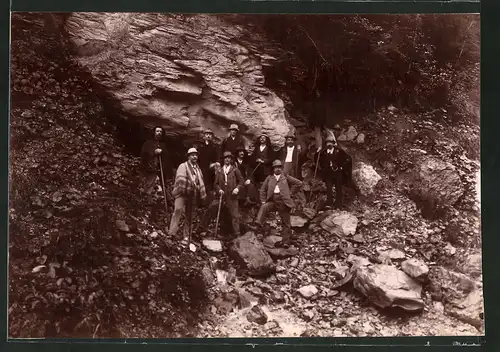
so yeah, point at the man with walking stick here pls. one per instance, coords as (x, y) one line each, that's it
(228, 184)
(189, 191)
(155, 164)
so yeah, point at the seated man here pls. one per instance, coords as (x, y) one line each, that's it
(275, 194)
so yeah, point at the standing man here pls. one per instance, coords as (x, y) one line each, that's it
(208, 156)
(151, 152)
(336, 169)
(249, 194)
(189, 188)
(232, 142)
(291, 156)
(275, 194)
(262, 157)
(228, 184)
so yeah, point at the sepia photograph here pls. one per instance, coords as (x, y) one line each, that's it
(235, 175)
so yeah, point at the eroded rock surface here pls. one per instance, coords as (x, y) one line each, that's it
(182, 72)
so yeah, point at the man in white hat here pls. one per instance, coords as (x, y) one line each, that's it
(231, 143)
(188, 189)
(276, 194)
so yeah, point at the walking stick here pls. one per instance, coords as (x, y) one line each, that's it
(218, 214)
(189, 217)
(163, 184)
(315, 172)
(255, 169)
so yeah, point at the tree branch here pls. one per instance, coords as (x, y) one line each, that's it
(312, 41)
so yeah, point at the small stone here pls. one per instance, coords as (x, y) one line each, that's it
(297, 221)
(308, 291)
(257, 315)
(395, 254)
(122, 226)
(358, 238)
(449, 249)
(154, 234)
(308, 315)
(278, 297)
(321, 269)
(213, 245)
(360, 139)
(438, 307)
(246, 299)
(415, 268)
(340, 272)
(294, 262)
(351, 133)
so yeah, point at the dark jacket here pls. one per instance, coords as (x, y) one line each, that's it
(234, 179)
(287, 185)
(297, 159)
(266, 155)
(337, 163)
(230, 144)
(207, 154)
(244, 167)
(149, 160)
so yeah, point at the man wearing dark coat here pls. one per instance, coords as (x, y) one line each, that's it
(151, 152)
(291, 156)
(261, 158)
(242, 162)
(336, 169)
(208, 154)
(276, 194)
(231, 143)
(228, 184)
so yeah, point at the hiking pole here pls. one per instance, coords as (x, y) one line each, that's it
(255, 169)
(218, 214)
(163, 184)
(189, 217)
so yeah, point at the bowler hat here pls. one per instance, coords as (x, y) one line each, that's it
(228, 153)
(277, 163)
(192, 151)
(234, 127)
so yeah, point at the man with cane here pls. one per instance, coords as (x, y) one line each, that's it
(156, 164)
(189, 191)
(228, 184)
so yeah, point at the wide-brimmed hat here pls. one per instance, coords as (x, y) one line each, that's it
(227, 153)
(208, 130)
(234, 127)
(241, 148)
(277, 163)
(330, 139)
(192, 151)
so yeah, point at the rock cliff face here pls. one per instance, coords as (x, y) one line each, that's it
(182, 72)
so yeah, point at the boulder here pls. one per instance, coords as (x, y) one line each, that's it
(340, 222)
(470, 310)
(308, 291)
(365, 178)
(473, 265)
(185, 73)
(449, 286)
(415, 268)
(386, 286)
(436, 181)
(213, 245)
(257, 315)
(251, 253)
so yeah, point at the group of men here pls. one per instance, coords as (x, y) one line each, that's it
(229, 178)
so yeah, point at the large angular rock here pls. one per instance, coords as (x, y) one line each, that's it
(450, 286)
(415, 268)
(184, 73)
(470, 310)
(473, 265)
(436, 181)
(251, 253)
(340, 222)
(387, 286)
(257, 315)
(365, 178)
